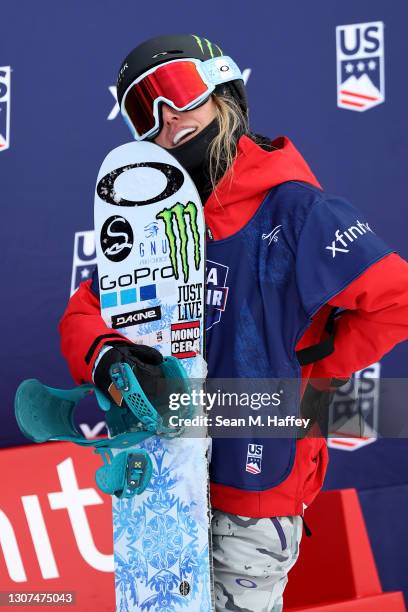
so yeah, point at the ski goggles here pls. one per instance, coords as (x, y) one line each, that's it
(183, 84)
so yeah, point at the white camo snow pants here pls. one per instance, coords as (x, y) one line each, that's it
(252, 558)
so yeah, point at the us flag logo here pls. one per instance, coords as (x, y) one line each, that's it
(360, 65)
(254, 459)
(4, 107)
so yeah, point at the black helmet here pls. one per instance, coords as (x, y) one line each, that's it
(162, 49)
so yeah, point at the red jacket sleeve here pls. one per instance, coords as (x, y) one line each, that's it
(84, 332)
(376, 318)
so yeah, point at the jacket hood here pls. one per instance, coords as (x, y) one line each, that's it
(254, 173)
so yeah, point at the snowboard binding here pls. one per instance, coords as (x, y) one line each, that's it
(46, 413)
(124, 475)
(154, 419)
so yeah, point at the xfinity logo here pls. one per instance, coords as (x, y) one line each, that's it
(347, 237)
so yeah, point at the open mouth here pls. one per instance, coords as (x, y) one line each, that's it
(182, 135)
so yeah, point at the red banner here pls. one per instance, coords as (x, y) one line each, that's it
(55, 526)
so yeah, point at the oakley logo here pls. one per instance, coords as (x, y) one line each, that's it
(106, 186)
(347, 237)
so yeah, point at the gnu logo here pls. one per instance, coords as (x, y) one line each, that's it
(360, 65)
(151, 230)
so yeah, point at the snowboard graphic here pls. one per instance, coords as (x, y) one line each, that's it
(149, 233)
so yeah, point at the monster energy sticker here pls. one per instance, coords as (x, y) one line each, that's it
(204, 41)
(185, 217)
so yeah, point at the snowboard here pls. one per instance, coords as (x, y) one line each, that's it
(150, 244)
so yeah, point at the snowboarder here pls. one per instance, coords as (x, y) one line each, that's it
(282, 253)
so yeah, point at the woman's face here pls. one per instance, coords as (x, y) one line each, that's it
(180, 126)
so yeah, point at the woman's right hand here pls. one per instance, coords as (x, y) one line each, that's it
(144, 361)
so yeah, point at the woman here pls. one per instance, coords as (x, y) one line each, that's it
(288, 254)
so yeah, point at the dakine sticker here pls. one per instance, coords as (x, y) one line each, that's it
(217, 292)
(360, 65)
(5, 72)
(84, 259)
(185, 339)
(254, 459)
(146, 315)
(116, 238)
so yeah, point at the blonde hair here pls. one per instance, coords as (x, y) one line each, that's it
(223, 148)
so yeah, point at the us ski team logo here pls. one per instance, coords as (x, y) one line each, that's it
(360, 65)
(5, 107)
(254, 459)
(84, 259)
(185, 217)
(354, 411)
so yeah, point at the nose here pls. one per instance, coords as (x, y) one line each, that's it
(169, 114)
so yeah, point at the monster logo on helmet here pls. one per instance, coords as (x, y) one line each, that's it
(181, 70)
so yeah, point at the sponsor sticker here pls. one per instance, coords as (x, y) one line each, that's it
(185, 219)
(116, 238)
(136, 317)
(185, 339)
(360, 65)
(111, 299)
